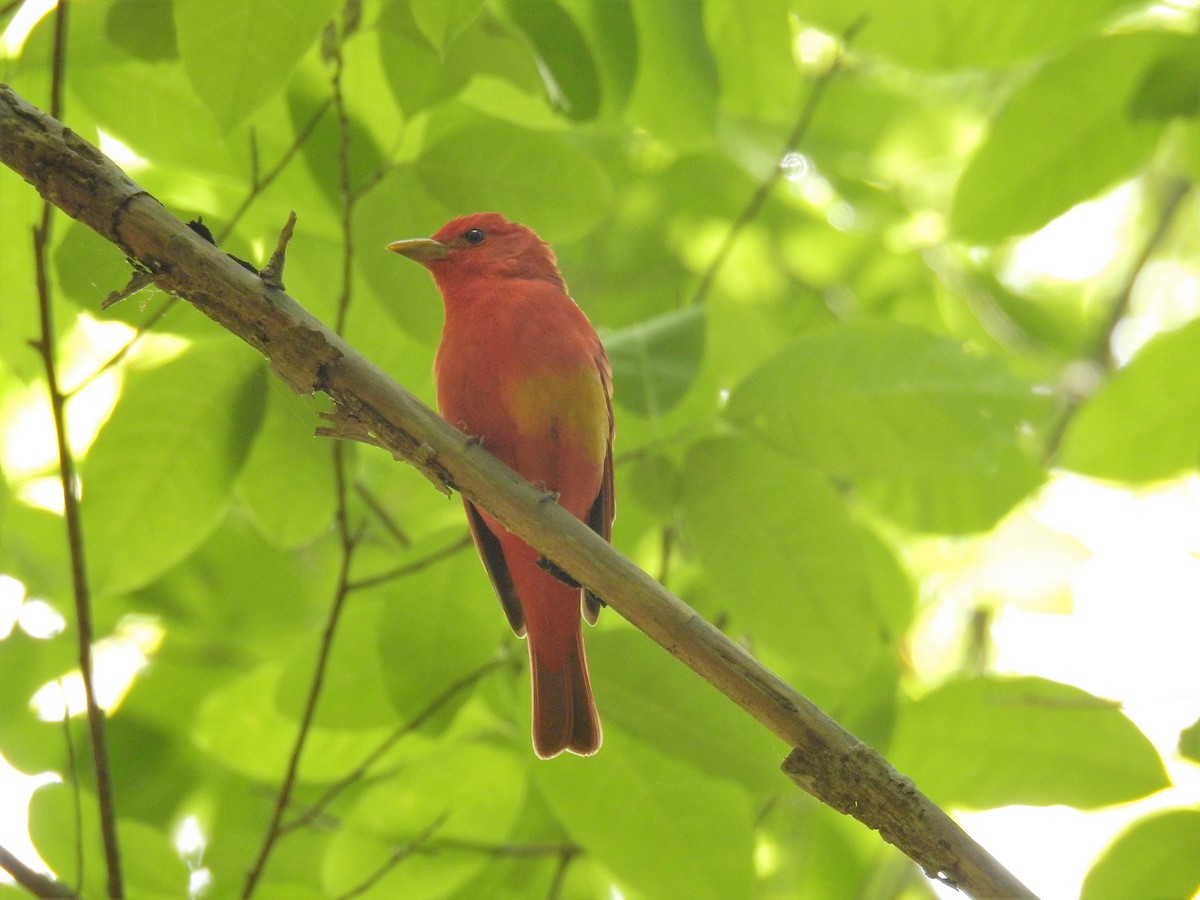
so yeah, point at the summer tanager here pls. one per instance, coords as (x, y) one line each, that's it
(520, 368)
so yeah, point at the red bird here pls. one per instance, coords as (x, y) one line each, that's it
(521, 368)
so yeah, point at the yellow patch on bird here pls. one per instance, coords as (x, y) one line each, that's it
(570, 405)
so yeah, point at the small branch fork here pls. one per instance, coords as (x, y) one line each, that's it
(828, 761)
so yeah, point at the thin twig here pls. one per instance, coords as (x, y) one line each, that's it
(119, 356)
(335, 790)
(274, 829)
(1174, 195)
(666, 546)
(386, 519)
(398, 856)
(9, 7)
(521, 851)
(32, 880)
(347, 536)
(566, 856)
(76, 793)
(257, 184)
(272, 272)
(793, 141)
(71, 514)
(415, 566)
(1100, 358)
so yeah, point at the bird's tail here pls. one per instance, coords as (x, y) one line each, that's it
(564, 713)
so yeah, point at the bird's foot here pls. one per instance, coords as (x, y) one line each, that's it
(551, 568)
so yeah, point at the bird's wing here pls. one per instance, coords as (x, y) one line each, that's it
(603, 511)
(492, 555)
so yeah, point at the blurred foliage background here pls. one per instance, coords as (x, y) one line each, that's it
(920, 426)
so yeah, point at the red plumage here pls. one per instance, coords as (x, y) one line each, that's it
(521, 368)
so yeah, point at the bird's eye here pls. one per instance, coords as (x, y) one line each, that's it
(474, 236)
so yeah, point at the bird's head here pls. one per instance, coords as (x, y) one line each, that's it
(482, 246)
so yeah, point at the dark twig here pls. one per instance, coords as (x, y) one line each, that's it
(76, 794)
(566, 855)
(116, 359)
(415, 566)
(386, 519)
(274, 827)
(1173, 196)
(9, 7)
(335, 790)
(794, 138)
(33, 881)
(67, 476)
(257, 184)
(398, 856)
(1100, 359)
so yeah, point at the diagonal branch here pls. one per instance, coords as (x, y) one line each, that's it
(309, 357)
(32, 880)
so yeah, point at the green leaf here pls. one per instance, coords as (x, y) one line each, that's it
(169, 125)
(1025, 174)
(151, 867)
(1189, 742)
(417, 73)
(239, 726)
(650, 696)
(441, 21)
(983, 34)
(930, 430)
(352, 690)
(565, 60)
(439, 625)
(675, 94)
(240, 53)
(142, 28)
(20, 208)
(205, 599)
(1154, 857)
(753, 51)
(465, 793)
(1171, 86)
(986, 742)
(655, 822)
(1145, 423)
(612, 35)
(792, 566)
(157, 480)
(655, 362)
(656, 483)
(554, 186)
(89, 268)
(287, 481)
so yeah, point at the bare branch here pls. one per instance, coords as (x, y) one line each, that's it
(310, 357)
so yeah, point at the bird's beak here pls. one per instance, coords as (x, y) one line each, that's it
(421, 250)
